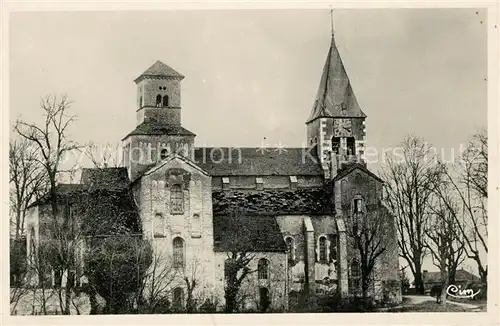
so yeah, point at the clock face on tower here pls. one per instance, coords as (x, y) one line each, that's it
(342, 128)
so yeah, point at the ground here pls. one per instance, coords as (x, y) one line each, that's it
(426, 303)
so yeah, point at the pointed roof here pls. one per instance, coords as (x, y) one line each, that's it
(159, 69)
(335, 97)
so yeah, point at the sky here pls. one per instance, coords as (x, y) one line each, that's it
(252, 74)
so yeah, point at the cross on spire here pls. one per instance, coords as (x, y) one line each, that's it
(331, 19)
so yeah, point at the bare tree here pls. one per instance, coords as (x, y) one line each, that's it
(239, 255)
(443, 240)
(410, 176)
(369, 230)
(52, 145)
(27, 180)
(468, 184)
(103, 156)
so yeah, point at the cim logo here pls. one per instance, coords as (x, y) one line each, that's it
(457, 292)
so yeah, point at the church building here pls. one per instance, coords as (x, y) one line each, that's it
(299, 204)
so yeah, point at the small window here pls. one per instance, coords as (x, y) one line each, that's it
(159, 229)
(225, 180)
(293, 179)
(163, 154)
(178, 245)
(351, 146)
(263, 269)
(140, 102)
(358, 205)
(176, 200)
(354, 277)
(165, 100)
(259, 180)
(196, 226)
(158, 100)
(322, 249)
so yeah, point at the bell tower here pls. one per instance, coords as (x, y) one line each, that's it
(336, 125)
(159, 131)
(159, 95)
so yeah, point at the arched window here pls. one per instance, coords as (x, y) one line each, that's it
(178, 298)
(263, 269)
(159, 228)
(163, 153)
(140, 102)
(165, 100)
(178, 245)
(322, 249)
(264, 300)
(158, 100)
(358, 205)
(176, 200)
(354, 276)
(196, 226)
(290, 248)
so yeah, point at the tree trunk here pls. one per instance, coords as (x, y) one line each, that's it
(444, 284)
(365, 287)
(230, 300)
(419, 282)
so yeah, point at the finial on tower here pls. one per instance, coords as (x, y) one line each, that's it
(331, 20)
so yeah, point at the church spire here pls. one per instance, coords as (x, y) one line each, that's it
(335, 97)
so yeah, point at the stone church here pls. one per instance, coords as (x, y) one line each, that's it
(298, 203)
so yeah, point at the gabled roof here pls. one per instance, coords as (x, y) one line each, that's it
(153, 127)
(335, 97)
(159, 69)
(354, 166)
(229, 161)
(105, 178)
(261, 233)
(169, 158)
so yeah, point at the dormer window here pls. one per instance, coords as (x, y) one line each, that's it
(259, 183)
(225, 183)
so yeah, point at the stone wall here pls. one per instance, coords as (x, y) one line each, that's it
(193, 225)
(249, 291)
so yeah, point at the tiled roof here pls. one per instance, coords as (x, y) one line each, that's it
(259, 233)
(161, 70)
(106, 178)
(335, 97)
(155, 128)
(313, 201)
(228, 161)
(460, 276)
(353, 166)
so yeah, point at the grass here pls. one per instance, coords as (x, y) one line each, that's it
(430, 306)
